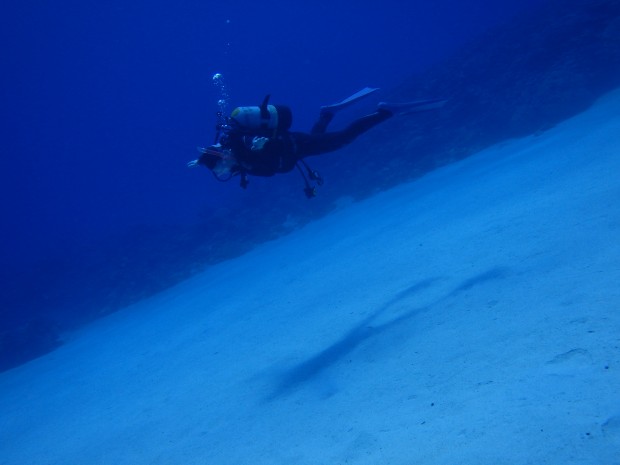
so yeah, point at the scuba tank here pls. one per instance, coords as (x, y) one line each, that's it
(264, 119)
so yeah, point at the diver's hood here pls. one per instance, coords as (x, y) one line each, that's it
(266, 117)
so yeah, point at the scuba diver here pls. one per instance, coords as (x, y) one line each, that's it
(256, 141)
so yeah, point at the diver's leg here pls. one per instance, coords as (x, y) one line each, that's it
(363, 124)
(317, 143)
(321, 142)
(321, 125)
(328, 111)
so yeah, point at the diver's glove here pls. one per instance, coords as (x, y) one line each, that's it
(258, 143)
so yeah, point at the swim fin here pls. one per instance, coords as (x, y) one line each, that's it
(412, 107)
(349, 100)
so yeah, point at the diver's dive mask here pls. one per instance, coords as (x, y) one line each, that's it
(220, 161)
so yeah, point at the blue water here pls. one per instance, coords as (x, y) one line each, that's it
(105, 103)
(108, 100)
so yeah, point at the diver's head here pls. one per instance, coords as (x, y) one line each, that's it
(209, 159)
(221, 163)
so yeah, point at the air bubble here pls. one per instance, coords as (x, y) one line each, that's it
(222, 103)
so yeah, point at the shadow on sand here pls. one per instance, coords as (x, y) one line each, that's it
(310, 368)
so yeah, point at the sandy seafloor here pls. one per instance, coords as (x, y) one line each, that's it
(469, 317)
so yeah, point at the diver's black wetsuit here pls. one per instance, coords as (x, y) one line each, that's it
(280, 153)
(319, 141)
